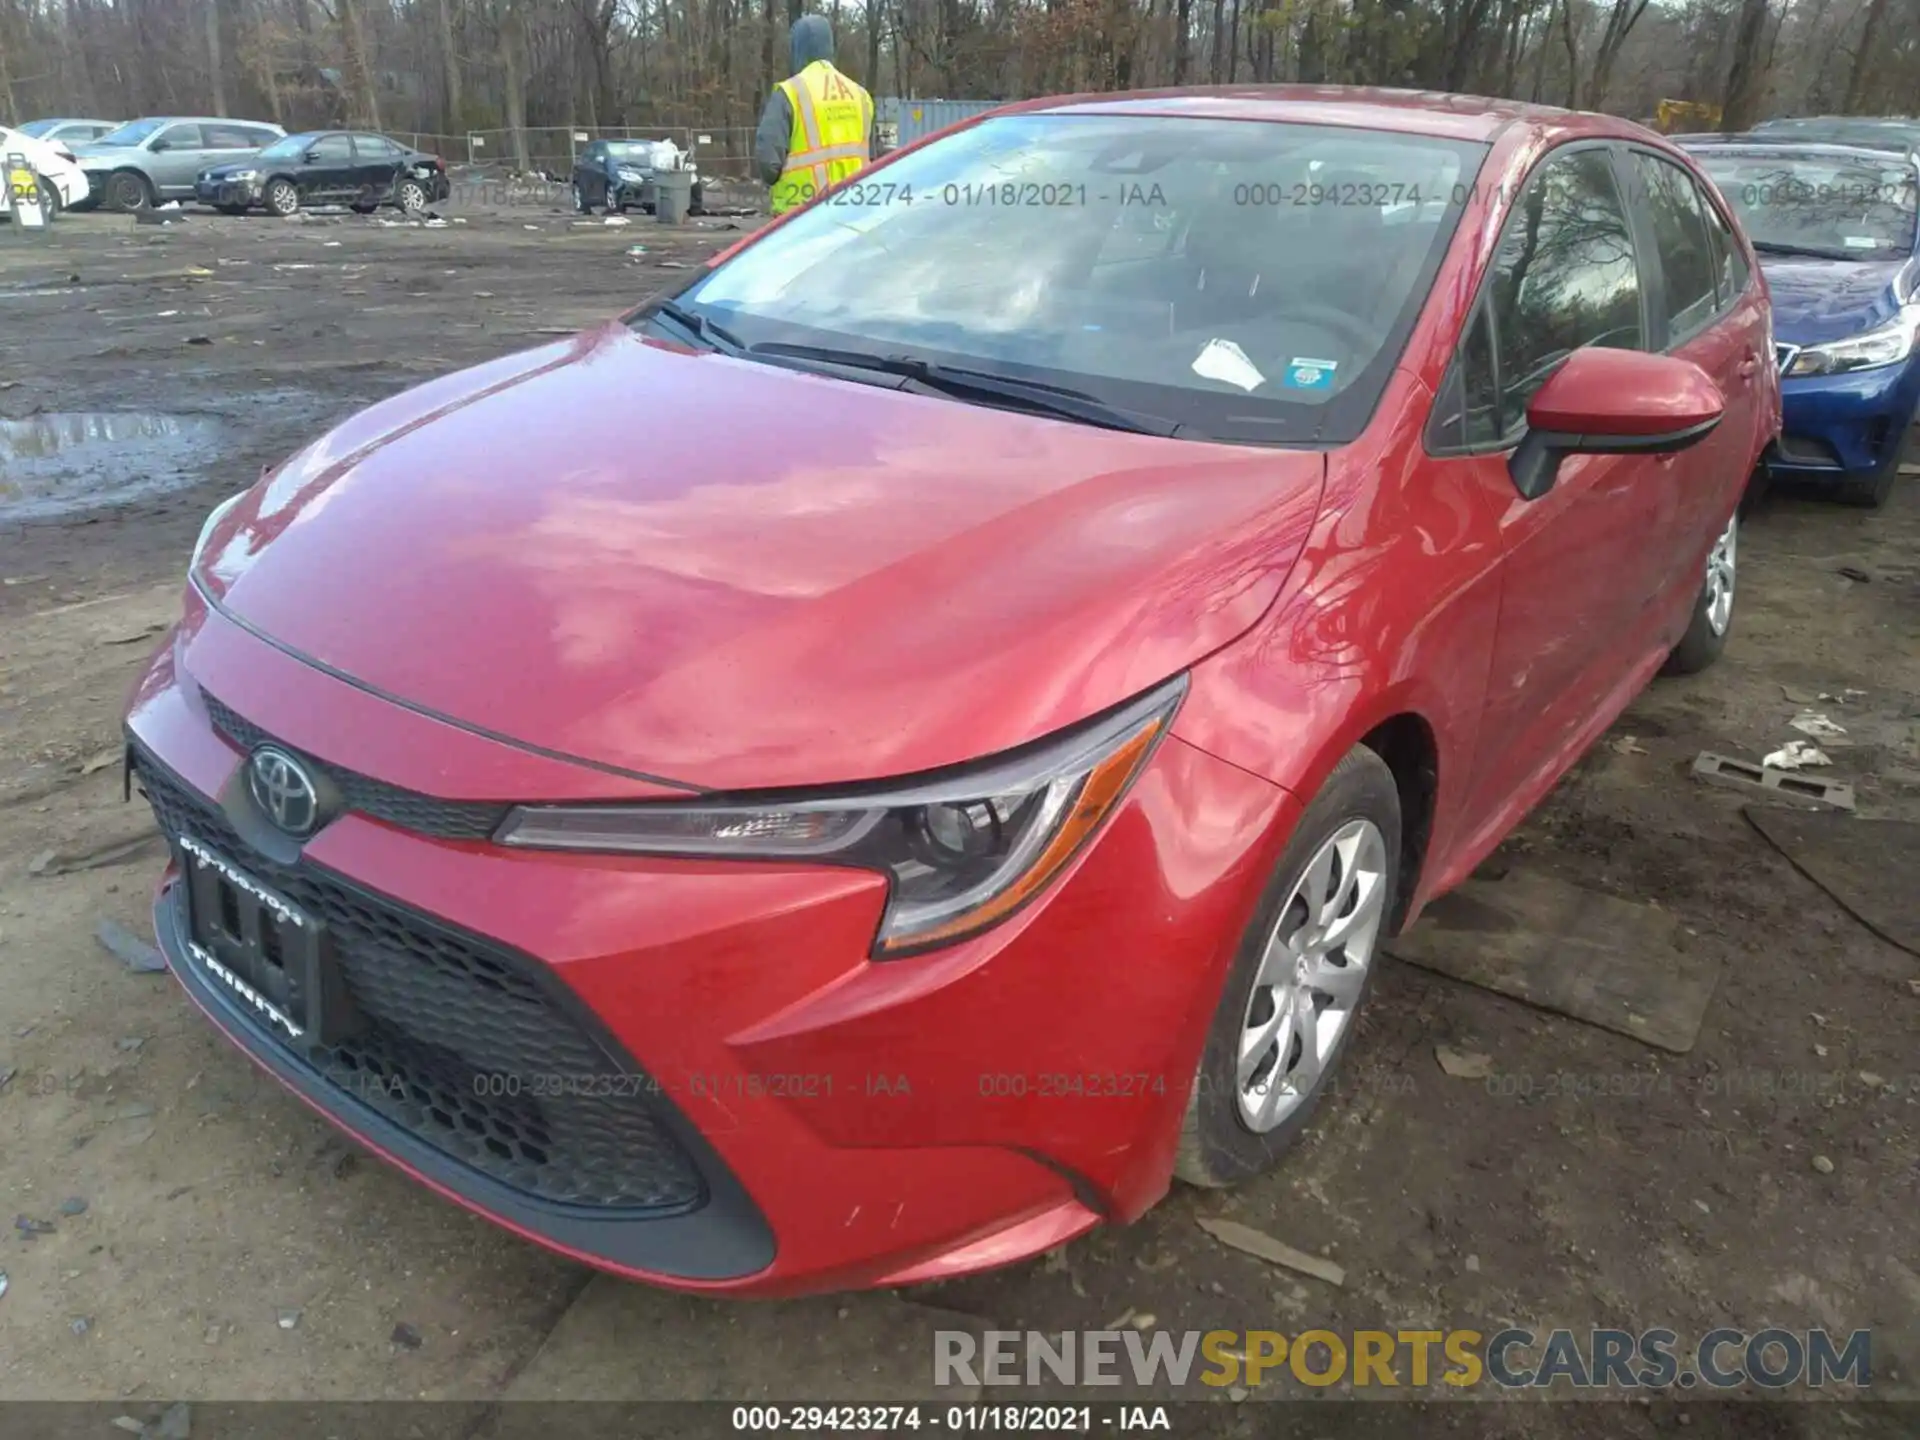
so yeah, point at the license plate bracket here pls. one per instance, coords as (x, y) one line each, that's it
(269, 954)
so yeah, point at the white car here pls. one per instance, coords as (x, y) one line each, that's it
(53, 162)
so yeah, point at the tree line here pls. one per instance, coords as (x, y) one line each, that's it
(449, 67)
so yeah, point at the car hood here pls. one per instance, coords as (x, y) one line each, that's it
(1816, 300)
(739, 576)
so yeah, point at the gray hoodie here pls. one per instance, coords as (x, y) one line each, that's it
(811, 40)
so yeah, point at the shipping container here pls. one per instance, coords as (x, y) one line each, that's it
(904, 121)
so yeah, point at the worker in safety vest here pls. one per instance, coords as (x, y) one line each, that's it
(818, 127)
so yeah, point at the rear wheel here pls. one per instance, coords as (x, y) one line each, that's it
(1712, 618)
(128, 190)
(1299, 980)
(281, 198)
(581, 206)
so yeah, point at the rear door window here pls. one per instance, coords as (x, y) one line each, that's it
(182, 137)
(332, 150)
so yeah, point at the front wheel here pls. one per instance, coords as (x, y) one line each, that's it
(127, 191)
(1712, 618)
(412, 196)
(581, 206)
(281, 198)
(1873, 490)
(1298, 982)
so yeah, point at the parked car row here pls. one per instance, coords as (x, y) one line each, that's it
(618, 174)
(1832, 207)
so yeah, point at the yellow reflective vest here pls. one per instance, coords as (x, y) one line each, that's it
(832, 118)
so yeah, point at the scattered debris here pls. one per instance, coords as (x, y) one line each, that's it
(1463, 1064)
(435, 224)
(1823, 1164)
(1702, 1207)
(134, 637)
(406, 1337)
(675, 265)
(80, 1324)
(1812, 722)
(1250, 1241)
(636, 251)
(1745, 775)
(138, 1110)
(73, 1205)
(128, 1044)
(1626, 745)
(1236, 1393)
(138, 956)
(30, 1227)
(199, 339)
(176, 1423)
(1871, 1080)
(1795, 755)
(1473, 1264)
(3, 1283)
(129, 1424)
(42, 862)
(1855, 573)
(289, 1319)
(102, 761)
(616, 220)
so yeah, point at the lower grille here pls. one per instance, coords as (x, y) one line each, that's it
(461, 1045)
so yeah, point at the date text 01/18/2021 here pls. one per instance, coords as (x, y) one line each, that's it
(973, 1418)
(990, 194)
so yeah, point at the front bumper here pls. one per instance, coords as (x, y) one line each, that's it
(227, 192)
(1839, 427)
(823, 1121)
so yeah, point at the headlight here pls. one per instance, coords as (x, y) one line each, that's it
(633, 177)
(962, 852)
(219, 511)
(1888, 345)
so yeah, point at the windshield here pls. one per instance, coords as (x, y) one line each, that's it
(641, 150)
(1248, 281)
(288, 148)
(1851, 208)
(132, 133)
(37, 128)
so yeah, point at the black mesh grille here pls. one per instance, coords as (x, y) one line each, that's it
(410, 810)
(461, 1045)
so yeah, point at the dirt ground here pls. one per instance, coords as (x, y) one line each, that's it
(231, 1247)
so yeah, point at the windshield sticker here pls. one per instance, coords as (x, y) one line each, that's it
(1304, 374)
(1860, 242)
(1225, 361)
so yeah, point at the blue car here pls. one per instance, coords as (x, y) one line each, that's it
(1837, 229)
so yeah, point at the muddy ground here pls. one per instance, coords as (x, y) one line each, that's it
(232, 1247)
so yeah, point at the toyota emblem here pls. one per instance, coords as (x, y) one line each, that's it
(282, 788)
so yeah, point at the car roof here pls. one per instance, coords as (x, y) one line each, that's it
(206, 120)
(1761, 145)
(1418, 112)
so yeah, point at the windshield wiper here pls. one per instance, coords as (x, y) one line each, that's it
(1033, 396)
(706, 331)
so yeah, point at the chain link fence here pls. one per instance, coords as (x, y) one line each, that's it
(723, 152)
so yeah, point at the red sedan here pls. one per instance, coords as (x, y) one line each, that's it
(871, 766)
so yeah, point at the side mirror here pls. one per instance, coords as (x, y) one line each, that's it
(1613, 402)
(157, 146)
(312, 157)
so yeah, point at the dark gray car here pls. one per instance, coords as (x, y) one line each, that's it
(151, 161)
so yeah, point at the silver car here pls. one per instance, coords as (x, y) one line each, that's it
(151, 161)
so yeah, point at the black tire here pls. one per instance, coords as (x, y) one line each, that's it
(1872, 491)
(411, 197)
(581, 206)
(697, 202)
(1704, 640)
(281, 197)
(231, 209)
(1217, 1147)
(127, 191)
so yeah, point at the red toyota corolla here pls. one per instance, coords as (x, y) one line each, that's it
(870, 767)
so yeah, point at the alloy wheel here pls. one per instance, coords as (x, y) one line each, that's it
(413, 196)
(127, 192)
(282, 199)
(1720, 576)
(1311, 975)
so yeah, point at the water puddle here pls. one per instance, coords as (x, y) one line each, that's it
(53, 465)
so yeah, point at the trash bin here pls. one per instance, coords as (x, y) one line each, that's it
(672, 196)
